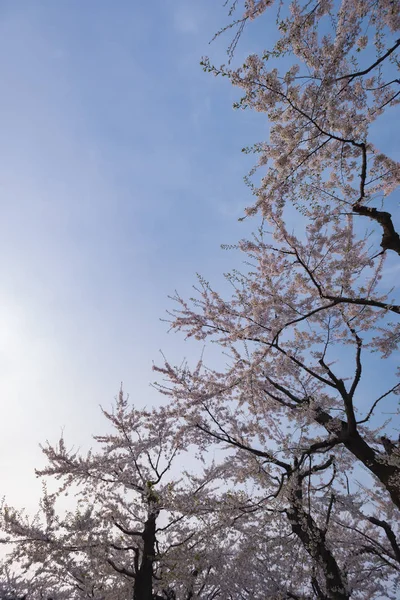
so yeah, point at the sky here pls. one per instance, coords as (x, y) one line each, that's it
(121, 174)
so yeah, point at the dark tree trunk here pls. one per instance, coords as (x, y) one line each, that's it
(143, 589)
(388, 474)
(313, 540)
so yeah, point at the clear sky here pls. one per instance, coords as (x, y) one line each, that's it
(120, 176)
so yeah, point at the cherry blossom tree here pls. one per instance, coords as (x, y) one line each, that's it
(294, 490)
(229, 532)
(330, 77)
(295, 399)
(59, 574)
(289, 320)
(127, 520)
(311, 314)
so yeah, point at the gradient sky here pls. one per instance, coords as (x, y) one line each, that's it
(121, 174)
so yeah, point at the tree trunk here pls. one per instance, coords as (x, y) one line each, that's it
(143, 589)
(388, 474)
(313, 540)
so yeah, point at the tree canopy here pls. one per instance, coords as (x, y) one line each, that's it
(275, 472)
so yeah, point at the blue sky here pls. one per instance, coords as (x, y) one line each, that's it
(121, 174)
